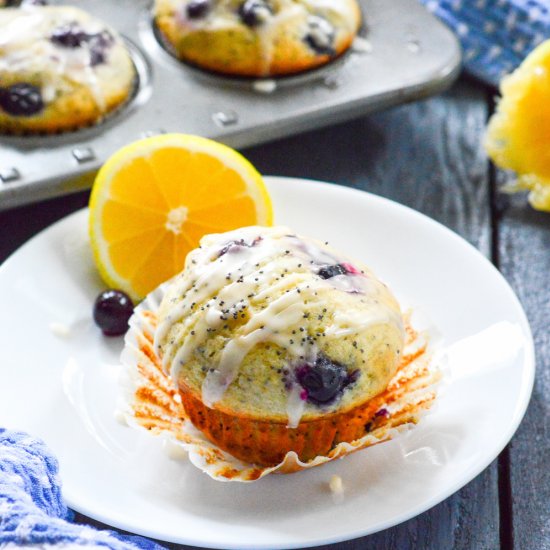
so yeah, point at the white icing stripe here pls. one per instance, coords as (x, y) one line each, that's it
(295, 406)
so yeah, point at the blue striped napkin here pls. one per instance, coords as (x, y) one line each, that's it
(496, 35)
(32, 511)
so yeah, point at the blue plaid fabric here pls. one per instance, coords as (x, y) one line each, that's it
(32, 511)
(496, 35)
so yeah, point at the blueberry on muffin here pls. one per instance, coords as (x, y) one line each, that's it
(257, 38)
(60, 69)
(277, 343)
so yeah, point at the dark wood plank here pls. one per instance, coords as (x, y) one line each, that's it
(524, 259)
(427, 156)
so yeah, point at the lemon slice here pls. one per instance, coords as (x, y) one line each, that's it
(154, 199)
(518, 134)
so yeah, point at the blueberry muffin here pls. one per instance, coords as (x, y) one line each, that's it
(257, 38)
(277, 343)
(60, 69)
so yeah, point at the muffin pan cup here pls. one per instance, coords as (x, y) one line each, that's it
(402, 54)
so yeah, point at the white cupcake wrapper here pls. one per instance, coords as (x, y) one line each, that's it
(150, 400)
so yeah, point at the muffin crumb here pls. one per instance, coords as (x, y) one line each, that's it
(336, 486)
(120, 417)
(60, 329)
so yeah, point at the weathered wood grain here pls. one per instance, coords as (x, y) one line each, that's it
(524, 259)
(428, 156)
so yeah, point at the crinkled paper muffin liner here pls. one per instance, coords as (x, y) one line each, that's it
(151, 401)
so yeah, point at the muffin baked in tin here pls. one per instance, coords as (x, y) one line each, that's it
(257, 38)
(60, 69)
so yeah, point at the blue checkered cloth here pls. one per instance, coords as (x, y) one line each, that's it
(496, 35)
(32, 511)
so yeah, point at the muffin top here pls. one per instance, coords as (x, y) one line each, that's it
(47, 52)
(298, 31)
(267, 324)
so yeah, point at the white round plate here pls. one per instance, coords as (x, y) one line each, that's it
(58, 381)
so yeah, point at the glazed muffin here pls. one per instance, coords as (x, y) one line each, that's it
(257, 38)
(277, 343)
(60, 69)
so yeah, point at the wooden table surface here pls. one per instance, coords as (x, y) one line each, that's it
(428, 156)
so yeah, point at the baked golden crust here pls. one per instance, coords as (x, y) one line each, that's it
(293, 37)
(77, 77)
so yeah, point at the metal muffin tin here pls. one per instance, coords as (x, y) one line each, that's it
(404, 54)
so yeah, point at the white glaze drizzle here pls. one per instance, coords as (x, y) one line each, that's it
(275, 272)
(26, 48)
(295, 406)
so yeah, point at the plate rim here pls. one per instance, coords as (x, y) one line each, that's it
(524, 395)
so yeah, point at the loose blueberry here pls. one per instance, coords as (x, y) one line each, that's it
(112, 310)
(198, 8)
(324, 380)
(320, 37)
(254, 12)
(329, 271)
(69, 36)
(21, 99)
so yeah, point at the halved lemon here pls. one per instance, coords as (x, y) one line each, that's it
(518, 134)
(154, 199)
